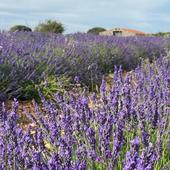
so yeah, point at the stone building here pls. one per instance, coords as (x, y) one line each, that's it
(122, 32)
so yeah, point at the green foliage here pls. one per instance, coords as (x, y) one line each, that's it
(161, 34)
(20, 28)
(29, 91)
(96, 30)
(52, 85)
(47, 88)
(50, 26)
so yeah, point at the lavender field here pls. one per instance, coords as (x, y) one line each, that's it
(29, 59)
(125, 127)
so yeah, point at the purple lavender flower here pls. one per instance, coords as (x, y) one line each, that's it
(147, 158)
(132, 156)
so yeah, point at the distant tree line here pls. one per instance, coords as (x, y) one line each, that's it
(96, 30)
(20, 28)
(161, 34)
(47, 26)
(51, 26)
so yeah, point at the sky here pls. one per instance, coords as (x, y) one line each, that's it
(150, 16)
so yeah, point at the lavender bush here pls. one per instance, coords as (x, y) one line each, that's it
(126, 127)
(28, 59)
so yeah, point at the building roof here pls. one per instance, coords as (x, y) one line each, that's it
(134, 31)
(129, 30)
(125, 29)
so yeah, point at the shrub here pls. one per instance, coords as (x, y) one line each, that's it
(50, 26)
(20, 28)
(96, 30)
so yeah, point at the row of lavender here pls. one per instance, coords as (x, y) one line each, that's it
(29, 58)
(126, 127)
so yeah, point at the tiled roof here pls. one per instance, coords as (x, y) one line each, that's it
(129, 30)
(134, 31)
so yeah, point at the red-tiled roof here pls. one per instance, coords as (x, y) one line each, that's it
(133, 31)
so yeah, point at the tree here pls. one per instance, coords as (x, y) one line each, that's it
(20, 28)
(96, 30)
(50, 26)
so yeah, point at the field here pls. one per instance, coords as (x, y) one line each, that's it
(77, 120)
(31, 59)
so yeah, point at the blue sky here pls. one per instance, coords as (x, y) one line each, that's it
(80, 15)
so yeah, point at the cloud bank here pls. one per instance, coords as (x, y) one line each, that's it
(80, 15)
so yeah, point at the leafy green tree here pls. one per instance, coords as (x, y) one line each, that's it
(96, 30)
(50, 26)
(20, 28)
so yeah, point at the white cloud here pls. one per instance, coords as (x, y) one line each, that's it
(147, 15)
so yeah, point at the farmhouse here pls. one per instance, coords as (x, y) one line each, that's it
(123, 32)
